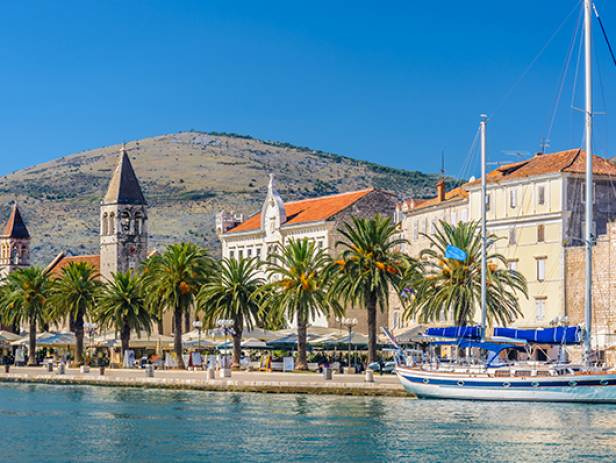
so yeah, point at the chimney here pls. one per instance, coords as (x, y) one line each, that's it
(440, 190)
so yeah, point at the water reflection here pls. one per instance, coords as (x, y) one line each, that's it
(117, 425)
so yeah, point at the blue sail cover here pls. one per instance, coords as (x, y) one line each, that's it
(557, 335)
(468, 332)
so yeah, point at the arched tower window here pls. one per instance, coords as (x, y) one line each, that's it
(112, 228)
(125, 222)
(15, 255)
(138, 223)
(105, 224)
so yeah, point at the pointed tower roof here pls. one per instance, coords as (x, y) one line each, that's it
(124, 187)
(15, 227)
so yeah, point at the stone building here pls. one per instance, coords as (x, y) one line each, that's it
(603, 287)
(314, 218)
(123, 225)
(536, 208)
(14, 244)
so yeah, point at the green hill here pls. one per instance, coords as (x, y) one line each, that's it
(186, 177)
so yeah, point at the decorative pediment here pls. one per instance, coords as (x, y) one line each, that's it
(273, 213)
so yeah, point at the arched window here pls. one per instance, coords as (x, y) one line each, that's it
(138, 223)
(105, 224)
(125, 222)
(15, 255)
(112, 227)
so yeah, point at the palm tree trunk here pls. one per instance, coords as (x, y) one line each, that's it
(78, 326)
(371, 309)
(302, 325)
(32, 342)
(159, 325)
(125, 338)
(187, 321)
(177, 336)
(238, 329)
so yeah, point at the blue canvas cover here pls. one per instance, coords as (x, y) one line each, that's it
(468, 332)
(557, 335)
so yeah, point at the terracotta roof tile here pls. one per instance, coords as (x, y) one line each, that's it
(91, 259)
(308, 210)
(571, 161)
(452, 195)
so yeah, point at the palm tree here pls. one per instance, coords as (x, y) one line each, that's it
(452, 288)
(233, 294)
(370, 264)
(299, 288)
(121, 305)
(74, 296)
(172, 280)
(24, 298)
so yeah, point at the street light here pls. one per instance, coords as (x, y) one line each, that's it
(349, 323)
(226, 326)
(198, 324)
(90, 328)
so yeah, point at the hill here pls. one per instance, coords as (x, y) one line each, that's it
(186, 177)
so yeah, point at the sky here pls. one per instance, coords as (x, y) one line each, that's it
(394, 82)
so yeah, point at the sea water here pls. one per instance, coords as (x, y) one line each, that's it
(88, 424)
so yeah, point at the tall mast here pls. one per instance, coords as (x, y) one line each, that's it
(484, 263)
(588, 232)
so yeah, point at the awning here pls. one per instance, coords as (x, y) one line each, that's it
(469, 332)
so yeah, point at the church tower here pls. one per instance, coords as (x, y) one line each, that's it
(14, 244)
(124, 233)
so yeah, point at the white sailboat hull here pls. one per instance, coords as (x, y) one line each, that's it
(598, 388)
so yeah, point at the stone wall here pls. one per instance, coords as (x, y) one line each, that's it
(604, 286)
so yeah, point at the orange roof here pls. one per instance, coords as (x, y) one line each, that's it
(91, 259)
(452, 195)
(570, 161)
(308, 210)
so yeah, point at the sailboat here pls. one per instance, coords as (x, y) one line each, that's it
(494, 379)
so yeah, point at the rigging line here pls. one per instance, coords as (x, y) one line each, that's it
(607, 40)
(574, 89)
(469, 156)
(534, 60)
(563, 77)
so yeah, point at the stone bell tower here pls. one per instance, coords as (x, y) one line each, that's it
(124, 233)
(14, 244)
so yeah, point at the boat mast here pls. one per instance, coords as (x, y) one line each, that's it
(484, 263)
(588, 232)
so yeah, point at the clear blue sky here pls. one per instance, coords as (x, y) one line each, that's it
(394, 82)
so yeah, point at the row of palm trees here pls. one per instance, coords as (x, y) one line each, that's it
(299, 282)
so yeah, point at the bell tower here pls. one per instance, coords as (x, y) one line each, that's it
(123, 230)
(14, 244)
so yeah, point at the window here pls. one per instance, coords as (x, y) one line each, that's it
(512, 265)
(541, 195)
(539, 308)
(415, 230)
(240, 253)
(231, 254)
(540, 233)
(541, 268)
(320, 244)
(258, 250)
(513, 198)
(249, 252)
(488, 201)
(512, 236)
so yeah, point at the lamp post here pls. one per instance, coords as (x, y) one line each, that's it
(226, 326)
(90, 328)
(198, 325)
(349, 323)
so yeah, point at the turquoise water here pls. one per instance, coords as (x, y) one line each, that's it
(86, 424)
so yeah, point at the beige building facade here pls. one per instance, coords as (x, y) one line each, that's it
(535, 208)
(316, 219)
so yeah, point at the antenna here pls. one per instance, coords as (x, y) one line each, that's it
(443, 164)
(544, 144)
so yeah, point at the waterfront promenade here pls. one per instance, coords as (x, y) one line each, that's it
(241, 381)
